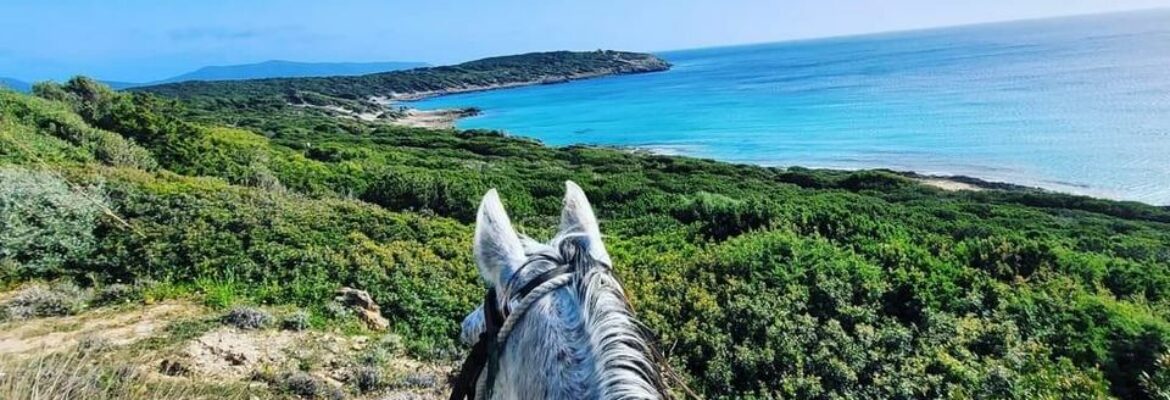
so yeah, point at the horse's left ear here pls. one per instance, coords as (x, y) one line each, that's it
(498, 250)
(577, 217)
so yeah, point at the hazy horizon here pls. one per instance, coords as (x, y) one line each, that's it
(152, 47)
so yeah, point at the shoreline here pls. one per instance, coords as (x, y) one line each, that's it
(447, 118)
(945, 182)
(416, 96)
(433, 119)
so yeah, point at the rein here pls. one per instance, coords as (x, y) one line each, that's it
(498, 324)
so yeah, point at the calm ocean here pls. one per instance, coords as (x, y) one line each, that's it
(1078, 105)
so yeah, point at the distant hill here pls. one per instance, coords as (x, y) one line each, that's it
(14, 84)
(123, 85)
(261, 70)
(484, 74)
(289, 69)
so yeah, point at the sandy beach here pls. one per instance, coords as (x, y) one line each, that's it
(433, 119)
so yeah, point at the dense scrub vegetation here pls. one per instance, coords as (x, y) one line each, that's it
(759, 282)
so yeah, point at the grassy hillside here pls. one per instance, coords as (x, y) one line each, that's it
(759, 282)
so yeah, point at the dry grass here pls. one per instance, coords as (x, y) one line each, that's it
(179, 350)
(86, 375)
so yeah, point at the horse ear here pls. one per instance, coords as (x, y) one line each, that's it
(497, 247)
(577, 217)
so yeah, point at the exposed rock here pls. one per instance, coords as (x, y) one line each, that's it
(365, 307)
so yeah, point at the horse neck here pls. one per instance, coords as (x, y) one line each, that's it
(581, 342)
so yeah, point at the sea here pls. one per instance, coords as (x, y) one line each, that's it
(1076, 104)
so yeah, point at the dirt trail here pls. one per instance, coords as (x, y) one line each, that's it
(225, 354)
(117, 327)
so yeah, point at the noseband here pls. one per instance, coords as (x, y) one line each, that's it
(499, 319)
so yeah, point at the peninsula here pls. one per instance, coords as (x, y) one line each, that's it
(372, 97)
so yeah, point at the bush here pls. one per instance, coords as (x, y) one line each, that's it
(301, 384)
(417, 380)
(117, 293)
(45, 226)
(305, 386)
(247, 318)
(296, 321)
(38, 301)
(367, 379)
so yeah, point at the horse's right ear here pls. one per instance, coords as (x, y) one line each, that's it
(497, 247)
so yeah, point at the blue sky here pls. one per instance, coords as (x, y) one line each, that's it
(142, 40)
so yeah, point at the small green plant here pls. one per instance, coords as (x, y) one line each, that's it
(218, 294)
(296, 321)
(367, 379)
(154, 292)
(117, 293)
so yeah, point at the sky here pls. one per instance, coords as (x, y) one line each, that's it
(146, 40)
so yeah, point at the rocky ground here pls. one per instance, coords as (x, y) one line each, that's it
(198, 352)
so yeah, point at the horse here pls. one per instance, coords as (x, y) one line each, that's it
(562, 327)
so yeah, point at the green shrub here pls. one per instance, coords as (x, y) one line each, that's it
(45, 225)
(367, 379)
(296, 321)
(117, 293)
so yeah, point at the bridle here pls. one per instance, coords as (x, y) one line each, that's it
(499, 319)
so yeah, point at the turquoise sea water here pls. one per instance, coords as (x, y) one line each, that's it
(1078, 105)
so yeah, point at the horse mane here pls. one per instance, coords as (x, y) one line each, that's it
(625, 360)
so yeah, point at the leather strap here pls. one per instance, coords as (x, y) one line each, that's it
(486, 352)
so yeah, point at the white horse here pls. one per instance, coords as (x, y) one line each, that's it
(573, 335)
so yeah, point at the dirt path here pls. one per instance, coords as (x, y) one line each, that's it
(117, 327)
(225, 354)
